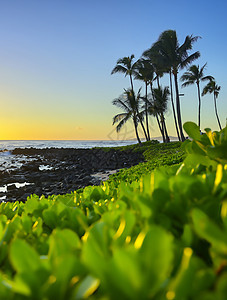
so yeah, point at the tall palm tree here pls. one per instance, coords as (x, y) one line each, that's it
(145, 73)
(173, 56)
(193, 76)
(126, 66)
(130, 104)
(214, 89)
(162, 65)
(173, 106)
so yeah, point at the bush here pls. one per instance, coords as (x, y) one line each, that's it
(161, 236)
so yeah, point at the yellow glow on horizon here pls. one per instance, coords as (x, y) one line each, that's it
(27, 118)
(46, 129)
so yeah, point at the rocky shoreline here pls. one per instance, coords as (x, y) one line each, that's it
(60, 171)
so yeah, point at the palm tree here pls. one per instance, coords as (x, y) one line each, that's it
(173, 56)
(151, 56)
(158, 107)
(145, 73)
(214, 89)
(130, 104)
(161, 67)
(193, 76)
(126, 66)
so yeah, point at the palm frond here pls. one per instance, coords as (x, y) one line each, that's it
(188, 76)
(119, 69)
(203, 68)
(187, 45)
(119, 102)
(187, 83)
(189, 59)
(205, 78)
(160, 99)
(119, 117)
(122, 122)
(206, 90)
(126, 61)
(211, 87)
(194, 71)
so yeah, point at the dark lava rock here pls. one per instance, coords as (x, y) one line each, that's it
(11, 187)
(71, 169)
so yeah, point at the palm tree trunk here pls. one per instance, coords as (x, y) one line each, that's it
(158, 81)
(173, 107)
(178, 108)
(141, 122)
(165, 130)
(146, 108)
(131, 82)
(136, 131)
(160, 128)
(199, 112)
(216, 112)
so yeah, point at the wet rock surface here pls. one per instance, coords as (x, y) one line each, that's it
(59, 171)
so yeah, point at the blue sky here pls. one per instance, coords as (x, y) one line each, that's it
(56, 58)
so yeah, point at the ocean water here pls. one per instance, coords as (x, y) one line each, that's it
(7, 145)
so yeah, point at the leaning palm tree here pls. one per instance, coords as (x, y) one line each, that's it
(145, 73)
(126, 66)
(129, 103)
(193, 76)
(173, 56)
(214, 89)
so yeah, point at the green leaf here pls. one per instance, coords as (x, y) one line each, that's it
(194, 160)
(87, 287)
(26, 223)
(62, 242)
(180, 287)
(37, 227)
(125, 275)
(32, 204)
(67, 272)
(23, 257)
(156, 254)
(95, 250)
(125, 228)
(12, 226)
(209, 231)
(16, 286)
(192, 130)
(50, 218)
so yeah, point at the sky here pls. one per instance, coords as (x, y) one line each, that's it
(56, 59)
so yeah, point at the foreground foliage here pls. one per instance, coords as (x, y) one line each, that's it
(163, 236)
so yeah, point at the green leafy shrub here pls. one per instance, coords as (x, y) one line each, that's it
(161, 236)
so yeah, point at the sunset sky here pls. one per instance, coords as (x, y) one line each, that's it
(56, 58)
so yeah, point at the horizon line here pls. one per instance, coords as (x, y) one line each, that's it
(117, 140)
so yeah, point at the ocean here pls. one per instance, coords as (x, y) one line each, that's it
(7, 145)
